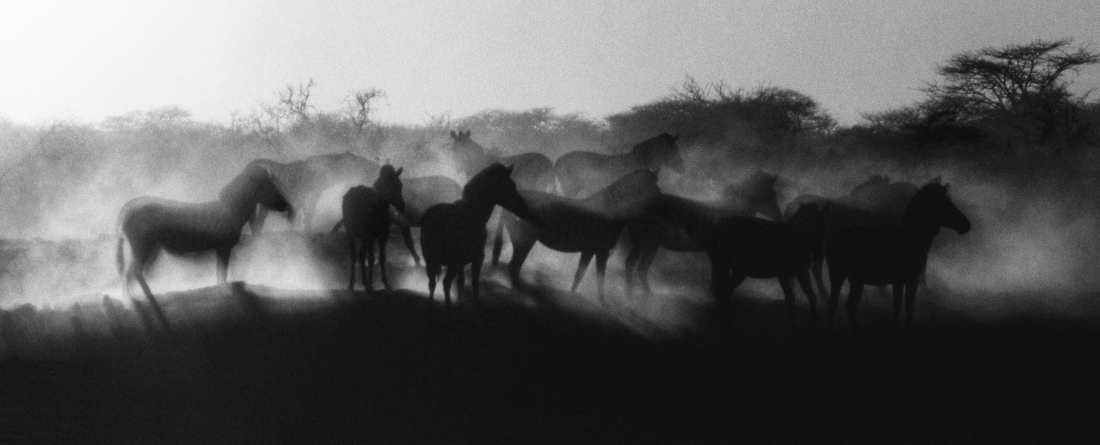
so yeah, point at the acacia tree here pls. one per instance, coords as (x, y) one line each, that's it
(1028, 82)
(359, 107)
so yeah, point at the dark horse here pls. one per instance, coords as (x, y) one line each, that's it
(367, 220)
(583, 172)
(419, 194)
(896, 256)
(590, 226)
(755, 194)
(453, 234)
(151, 224)
(303, 182)
(742, 246)
(533, 171)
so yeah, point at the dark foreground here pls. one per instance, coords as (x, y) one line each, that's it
(256, 365)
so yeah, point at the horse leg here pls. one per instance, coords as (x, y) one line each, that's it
(644, 264)
(475, 281)
(448, 278)
(354, 254)
(520, 250)
(629, 266)
(601, 272)
(460, 285)
(855, 292)
(788, 296)
(816, 268)
(910, 300)
(719, 278)
(366, 263)
(432, 269)
(140, 276)
(586, 257)
(223, 264)
(808, 288)
(382, 260)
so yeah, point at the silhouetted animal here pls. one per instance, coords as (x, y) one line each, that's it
(151, 224)
(454, 235)
(876, 202)
(582, 172)
(590, 226)
(839, 214)
(669, 228)
(367, 220)
(742, 246)
(303, 182)
(533, 171)
(894, 256)
(421, 193)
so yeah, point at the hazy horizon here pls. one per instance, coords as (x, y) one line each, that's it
(74, 61)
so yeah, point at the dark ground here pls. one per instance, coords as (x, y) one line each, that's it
(260, 365)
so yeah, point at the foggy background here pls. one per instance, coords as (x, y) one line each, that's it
(108, 102)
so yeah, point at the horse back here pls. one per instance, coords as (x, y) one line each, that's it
(761, 248)
(532, 170)
(567, 225)
(366, 212)
(452, 234)
(179, 226)
(875, 256)
(584, 171)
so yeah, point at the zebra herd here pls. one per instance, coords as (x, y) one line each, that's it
(880, 234)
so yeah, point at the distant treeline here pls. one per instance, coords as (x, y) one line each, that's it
(999, 111)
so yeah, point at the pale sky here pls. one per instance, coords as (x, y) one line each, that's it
(87, 60)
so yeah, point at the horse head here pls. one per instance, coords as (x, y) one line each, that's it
(660, 150)
(389, 186)
(469, 155)
(255, 186)
(494, 185)
(932, 205)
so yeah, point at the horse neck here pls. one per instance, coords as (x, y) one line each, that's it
(480, 206)
(920, 227)
(240, 210)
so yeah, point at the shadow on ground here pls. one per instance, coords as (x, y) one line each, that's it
(261, 365)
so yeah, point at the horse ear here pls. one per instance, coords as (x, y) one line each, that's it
(399, 170)
(675, 137)
(509, 169)
(454, 135)
(466, 134)
(946, 188)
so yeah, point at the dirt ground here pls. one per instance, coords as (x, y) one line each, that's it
(253, 364)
